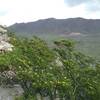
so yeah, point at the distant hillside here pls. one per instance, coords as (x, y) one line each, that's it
(58, 26)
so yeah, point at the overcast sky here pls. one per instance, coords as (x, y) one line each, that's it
(13, 11)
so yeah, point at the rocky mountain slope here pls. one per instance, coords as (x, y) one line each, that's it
(58, 26)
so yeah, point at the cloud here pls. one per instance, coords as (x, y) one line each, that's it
(90, 5)
(93, 6)
(3, 13)
(30, 10)
(13, 11)
(75, 2)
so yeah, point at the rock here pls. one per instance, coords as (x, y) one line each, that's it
(3, 29)
(5, 46)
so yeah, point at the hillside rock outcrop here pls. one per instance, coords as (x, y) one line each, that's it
(5, 46)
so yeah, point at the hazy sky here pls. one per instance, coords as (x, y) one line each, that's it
(12, 11)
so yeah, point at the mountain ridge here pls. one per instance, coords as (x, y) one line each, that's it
(58, 26)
